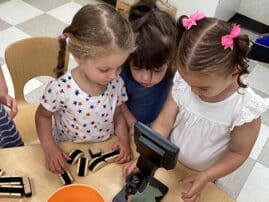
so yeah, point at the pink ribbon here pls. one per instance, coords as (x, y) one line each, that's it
(228, 40)
(192, 20)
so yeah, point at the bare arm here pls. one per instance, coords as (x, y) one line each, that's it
(3, 85)
(55, 157)
(5, 98)
(242, 141)
(163, 125)
(121, 130)
(129, 117)
(166, 119)
(43, 120)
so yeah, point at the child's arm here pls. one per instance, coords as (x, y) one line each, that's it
(163, 125)
(129, 117)
(3, 85)
(55, 157)
(242, 140)
(5, 98)
(166, 119)
(121, 130)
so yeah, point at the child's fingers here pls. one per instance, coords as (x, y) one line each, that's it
(121, 158)
(9, 103)
(193, 193)
(129, 156)
(186, 180)
(14, 106)
(51, 167)
(115, 146)
(60, 166)
(62, 161)
(193, 198)
(190, 199)
(56, 165)
(127, 169)
(11, 115)
(126, 158)
(124, 171)
(66, 156)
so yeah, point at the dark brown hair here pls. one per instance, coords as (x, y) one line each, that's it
(95, 30)
(156, 36)
(200, 48)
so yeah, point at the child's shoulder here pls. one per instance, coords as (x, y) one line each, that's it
(251, 99)
(117, 82)
(251, 106)
(56, 83)
(126, 73)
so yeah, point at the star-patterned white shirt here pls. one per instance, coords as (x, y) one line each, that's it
(78, 116)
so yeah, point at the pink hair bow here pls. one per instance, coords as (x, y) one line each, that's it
(62, 36)
(227, 40)
(192, 20)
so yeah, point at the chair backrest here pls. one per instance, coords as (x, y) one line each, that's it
(29, 58)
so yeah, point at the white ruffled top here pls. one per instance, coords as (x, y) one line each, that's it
(202, 130)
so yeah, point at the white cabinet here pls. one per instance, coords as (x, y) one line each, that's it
(223, 9)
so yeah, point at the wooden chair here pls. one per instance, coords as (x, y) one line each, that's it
(26, 59)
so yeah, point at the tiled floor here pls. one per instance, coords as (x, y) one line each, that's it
(21, 19)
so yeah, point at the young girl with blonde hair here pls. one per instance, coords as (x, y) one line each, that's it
(85, 101)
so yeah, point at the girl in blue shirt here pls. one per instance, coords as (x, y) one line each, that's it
(149, 70)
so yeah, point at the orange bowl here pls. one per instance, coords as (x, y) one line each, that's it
(77, 193)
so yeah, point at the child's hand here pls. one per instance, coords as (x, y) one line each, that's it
(10, 103)
(56, 159)
(125, 152)
(198, 182)
(131, 130)
(129, 167)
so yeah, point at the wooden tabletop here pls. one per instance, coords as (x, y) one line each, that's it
(29, 161)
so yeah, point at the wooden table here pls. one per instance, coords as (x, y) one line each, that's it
(29, 161)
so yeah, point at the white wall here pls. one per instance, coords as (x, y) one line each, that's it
(256, 9)
(227, 8)
(223, 9)
(188, 7)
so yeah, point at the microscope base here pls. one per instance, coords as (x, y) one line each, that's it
(121, 196)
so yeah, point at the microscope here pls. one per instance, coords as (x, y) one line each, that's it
(155, 152)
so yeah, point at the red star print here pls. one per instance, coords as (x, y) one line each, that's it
(95, 126)
(68, 86)
(88, 114)
(77, 127)
(79, 103)
(61, 91)
(46, 101)
(84, 137)
(112, 95)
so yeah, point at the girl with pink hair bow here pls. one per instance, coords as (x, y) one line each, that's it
(211, 113)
